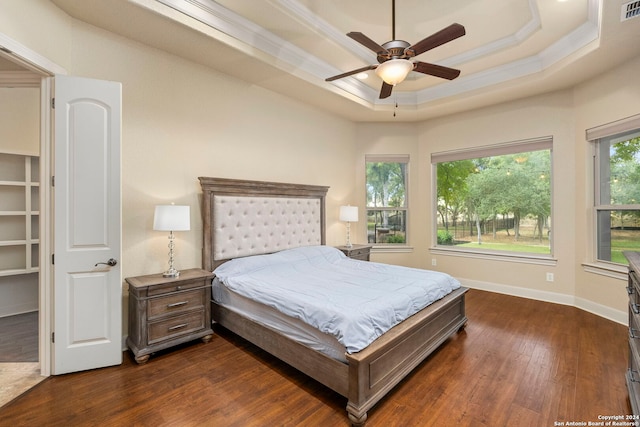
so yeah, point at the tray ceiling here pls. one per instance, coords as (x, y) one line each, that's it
(512, 48)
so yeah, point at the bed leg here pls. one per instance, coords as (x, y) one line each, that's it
(358, 421)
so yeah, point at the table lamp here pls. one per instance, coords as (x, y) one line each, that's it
(349, 214)
(171, 218)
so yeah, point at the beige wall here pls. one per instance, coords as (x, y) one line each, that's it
(565, 115)
(182, 120)
(610, 97)
(20, 121)
(19, 134)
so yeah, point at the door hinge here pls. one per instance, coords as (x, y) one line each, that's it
(53, 181)
(53, 258)
(53, 103)
(53, 337)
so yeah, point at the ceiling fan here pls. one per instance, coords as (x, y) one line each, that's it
(394, 56)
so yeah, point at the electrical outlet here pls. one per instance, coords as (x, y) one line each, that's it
(549, 277)
(434, 262)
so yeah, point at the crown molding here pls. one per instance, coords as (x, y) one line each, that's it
(296, 61)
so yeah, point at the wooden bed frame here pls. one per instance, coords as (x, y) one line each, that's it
(369, 374)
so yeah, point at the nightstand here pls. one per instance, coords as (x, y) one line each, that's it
(361, 252)
(164, 312)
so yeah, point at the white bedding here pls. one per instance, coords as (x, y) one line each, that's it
(354, 301)
(295, 329)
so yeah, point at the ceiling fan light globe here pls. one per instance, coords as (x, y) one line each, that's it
(394, 71)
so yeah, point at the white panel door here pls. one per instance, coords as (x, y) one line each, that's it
(87, 328)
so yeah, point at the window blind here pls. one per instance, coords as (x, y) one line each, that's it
(614, 128)
(388, 158)
(543, 143)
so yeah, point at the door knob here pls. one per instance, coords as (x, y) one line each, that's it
(110, 263)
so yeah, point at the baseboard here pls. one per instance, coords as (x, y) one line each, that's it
(553, 297)
(16, 309)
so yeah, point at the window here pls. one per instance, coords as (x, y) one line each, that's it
(617, 195)
(495, 198)
(386, 185)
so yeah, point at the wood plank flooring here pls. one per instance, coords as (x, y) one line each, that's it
(19, 338)
(518, 363)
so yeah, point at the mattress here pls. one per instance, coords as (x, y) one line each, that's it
(353, 301)
(290, 327)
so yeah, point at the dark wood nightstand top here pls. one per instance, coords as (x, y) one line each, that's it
(158, 279)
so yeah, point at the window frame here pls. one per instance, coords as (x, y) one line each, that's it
(389, 158)
(612, 133)
(507, 148)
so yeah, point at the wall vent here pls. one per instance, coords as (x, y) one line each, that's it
(630, 10)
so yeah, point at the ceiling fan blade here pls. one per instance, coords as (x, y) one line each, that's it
(385, 91)
(436, 70)
(443, 36)
(367, 42)
(352, 72)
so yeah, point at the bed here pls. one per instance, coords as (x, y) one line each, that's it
(244, 218)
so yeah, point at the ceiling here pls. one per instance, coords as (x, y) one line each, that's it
(512, 48)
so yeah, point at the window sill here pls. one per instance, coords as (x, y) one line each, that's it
(494, 256)
(391, 249)
(615, 271)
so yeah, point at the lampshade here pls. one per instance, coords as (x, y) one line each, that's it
(394, 71)
(171, 218)
(349, 213)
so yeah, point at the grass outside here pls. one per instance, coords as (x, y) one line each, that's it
(621, 240)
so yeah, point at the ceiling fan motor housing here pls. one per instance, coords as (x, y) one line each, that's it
(395, 50)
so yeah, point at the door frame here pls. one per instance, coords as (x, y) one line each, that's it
(39, 72)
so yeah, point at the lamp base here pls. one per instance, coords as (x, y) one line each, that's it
(172, 272)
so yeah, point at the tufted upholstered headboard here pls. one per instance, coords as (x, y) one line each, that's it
(242, 218)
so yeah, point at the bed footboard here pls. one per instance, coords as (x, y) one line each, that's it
(371, 373)
(374, 371)
(330, 372)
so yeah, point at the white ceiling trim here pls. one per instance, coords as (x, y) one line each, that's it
(313, 21)
(574, 41)
(296, 61)
(28, 58)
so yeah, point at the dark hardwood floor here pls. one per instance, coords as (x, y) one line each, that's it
(518, 363)
(19, 338)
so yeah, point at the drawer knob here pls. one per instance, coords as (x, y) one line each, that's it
(177, 304)
(182, 325)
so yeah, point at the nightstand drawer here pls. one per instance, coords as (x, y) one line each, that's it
(359, 252)
(175, 303)
(362, 254)
(174, 287)
(634, 331)
(176, 326)
(167, 311)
